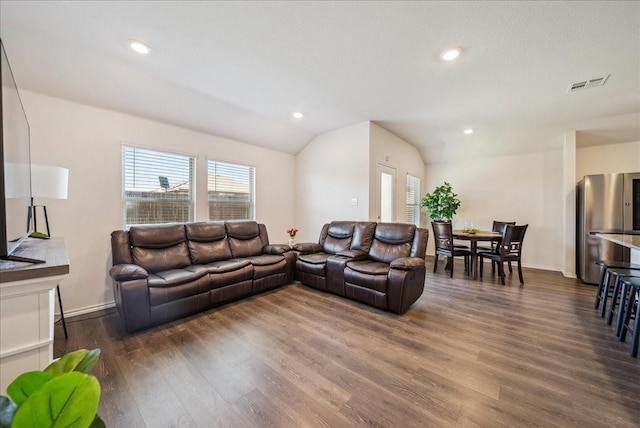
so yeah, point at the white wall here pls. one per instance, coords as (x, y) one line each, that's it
(525, 188)
(332, 170)
(87, 141)
(390, 150)
(607, 159)
(569, 203)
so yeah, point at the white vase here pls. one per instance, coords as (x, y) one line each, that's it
(292, 241)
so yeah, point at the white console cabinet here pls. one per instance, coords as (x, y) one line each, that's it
(27, 296)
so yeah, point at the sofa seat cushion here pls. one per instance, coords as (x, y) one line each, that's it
(367, 274)
(171, 277)
(267, 265)
(314, 259)
(369, 267)
(225, 266)
(266, 259)
(183, 294)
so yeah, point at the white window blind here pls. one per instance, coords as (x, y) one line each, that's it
(158, 187)
(231, 191)
(413, 200)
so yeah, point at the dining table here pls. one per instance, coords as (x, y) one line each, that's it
(474, 238)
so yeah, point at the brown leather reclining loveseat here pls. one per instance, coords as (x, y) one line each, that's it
(380, 264)
(165, 272)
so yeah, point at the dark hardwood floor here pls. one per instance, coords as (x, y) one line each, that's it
(467, 354)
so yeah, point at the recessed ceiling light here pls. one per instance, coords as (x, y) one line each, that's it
(450, 54)
(139, 47)
(468, 131)
(297, 115)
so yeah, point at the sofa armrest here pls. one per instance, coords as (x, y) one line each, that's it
(276, 249)
(352, 254)
(132, 301)
(127, 272)
(308, 247)
(408, 263)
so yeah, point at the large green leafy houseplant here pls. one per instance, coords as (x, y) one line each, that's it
(63, 395)
(442, 203)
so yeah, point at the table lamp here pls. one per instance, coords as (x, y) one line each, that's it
(47, 182)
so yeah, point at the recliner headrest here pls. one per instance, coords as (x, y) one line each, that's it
(395, 233)
(161, 236)
(243, 229)
(341, 229)
(205, 232)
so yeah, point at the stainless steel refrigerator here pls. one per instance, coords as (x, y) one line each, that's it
(607, 203)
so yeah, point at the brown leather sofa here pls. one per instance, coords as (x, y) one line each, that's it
(380, 264)
(165, 272)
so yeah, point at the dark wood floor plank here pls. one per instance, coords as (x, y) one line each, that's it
(302, 408)
(156, 399)
(467, 354)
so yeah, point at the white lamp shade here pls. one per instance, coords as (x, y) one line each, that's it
(49, 181)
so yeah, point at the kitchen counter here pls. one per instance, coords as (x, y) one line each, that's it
(626, 240)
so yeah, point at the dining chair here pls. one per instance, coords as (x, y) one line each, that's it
(498, 226)
(509, 250)
(443, 236)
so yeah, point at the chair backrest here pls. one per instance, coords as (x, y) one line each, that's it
(499, 226)
(442, 235)
(512, 239)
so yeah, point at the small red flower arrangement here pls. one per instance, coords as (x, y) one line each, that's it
(292, 232)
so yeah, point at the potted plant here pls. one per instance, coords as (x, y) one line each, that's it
(61, 395)
(442, 203)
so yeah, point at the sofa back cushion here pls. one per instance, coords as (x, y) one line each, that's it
(339, 236)
(363, 235)
(244, 239)
(120, 247)
(207, 242)
(159, 248)
(392, 241)
(419, 246)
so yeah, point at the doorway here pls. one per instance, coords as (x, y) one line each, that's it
(385, 193)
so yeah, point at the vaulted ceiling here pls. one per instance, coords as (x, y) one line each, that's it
(239, 69)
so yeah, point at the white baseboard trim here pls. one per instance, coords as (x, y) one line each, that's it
(551, 268)
(87, 309)
(569, 275)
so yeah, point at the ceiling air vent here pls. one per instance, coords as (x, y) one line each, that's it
(585, 84)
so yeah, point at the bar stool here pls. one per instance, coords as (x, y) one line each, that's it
(603, 285)
(617, 302)
(631, 284)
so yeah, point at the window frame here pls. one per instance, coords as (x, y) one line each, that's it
(251, 170)
(415, 205)
(191, 200)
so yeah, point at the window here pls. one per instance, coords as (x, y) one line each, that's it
(158, 187)
(231, 190)
(413, 200)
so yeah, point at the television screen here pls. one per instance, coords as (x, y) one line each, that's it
(15, 177)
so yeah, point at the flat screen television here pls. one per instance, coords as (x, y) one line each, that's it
(15, 161)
